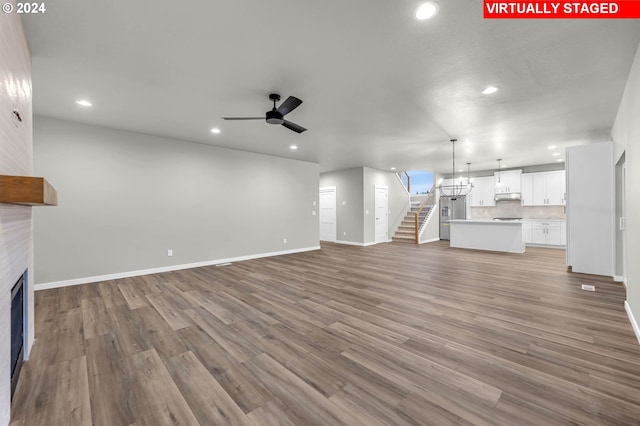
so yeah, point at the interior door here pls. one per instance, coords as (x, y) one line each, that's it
(381, 214)
(328, 223)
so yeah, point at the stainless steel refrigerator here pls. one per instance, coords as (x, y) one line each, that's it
(451, 208)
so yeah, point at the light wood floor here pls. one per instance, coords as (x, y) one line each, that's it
(390, 334)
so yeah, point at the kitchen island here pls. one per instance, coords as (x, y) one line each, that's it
(493, 235)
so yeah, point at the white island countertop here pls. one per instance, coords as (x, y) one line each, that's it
(493, 235)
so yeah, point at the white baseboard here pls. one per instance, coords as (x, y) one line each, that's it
(429, 241)
(353, 243)
(632, 319)
(128, 274)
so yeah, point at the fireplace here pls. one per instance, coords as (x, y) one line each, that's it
(17, 330)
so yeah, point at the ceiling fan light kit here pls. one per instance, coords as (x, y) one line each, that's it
(276, 115)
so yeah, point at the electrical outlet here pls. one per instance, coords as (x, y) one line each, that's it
(284, 240)
(344, 203)
(169, 252)
(344, 233)
(313, 212)
(366, 212)
(314, 203)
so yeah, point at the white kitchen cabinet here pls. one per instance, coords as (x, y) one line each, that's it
(547, 233)
(556, 188)
(544, 189)
(526, 190)
(510, 179)
(483, 192)
(526, 232)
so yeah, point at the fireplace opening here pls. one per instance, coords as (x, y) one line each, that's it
(17, 331)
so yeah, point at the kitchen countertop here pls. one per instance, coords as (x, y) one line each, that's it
(488, 221)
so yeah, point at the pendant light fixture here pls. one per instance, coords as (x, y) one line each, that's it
(453, 189)
(500, 185)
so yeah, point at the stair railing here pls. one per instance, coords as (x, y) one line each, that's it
(408, 182)
(417, 214)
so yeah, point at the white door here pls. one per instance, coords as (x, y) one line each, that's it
(328, 213)
(382, 214)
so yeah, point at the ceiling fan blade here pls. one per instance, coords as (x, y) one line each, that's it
(289, 105)
(243, 118)
(293, 126)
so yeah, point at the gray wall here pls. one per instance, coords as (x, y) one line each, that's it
(349, 203)
(399, 201)
(355, 194)
(626, 135)
(126, 198)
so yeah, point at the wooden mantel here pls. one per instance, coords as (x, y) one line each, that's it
(27, 190)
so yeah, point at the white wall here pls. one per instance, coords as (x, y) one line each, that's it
(15, 159)
(126, 198)
(626, 135)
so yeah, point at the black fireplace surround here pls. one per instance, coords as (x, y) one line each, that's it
(17, 331)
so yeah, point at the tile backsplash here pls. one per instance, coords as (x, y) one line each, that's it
(516, 209)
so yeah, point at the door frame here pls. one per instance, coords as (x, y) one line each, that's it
(328, 189)
(375, 206)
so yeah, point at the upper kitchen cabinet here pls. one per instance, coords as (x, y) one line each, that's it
(483, 192)
(544, 189)
(510, 181)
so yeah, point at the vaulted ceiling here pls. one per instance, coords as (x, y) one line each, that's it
(380, 88)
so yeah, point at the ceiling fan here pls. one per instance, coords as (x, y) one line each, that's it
(276, 115)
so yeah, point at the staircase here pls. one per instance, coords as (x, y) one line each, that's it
(406, 232)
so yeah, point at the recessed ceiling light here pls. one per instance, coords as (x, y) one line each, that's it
(215, 130)
(560, 159)
(84, 103)
(489, 90)
(555, 154)
(461, 170)
(551, 147)
(293, 147)
(426, 11)
(393, 168)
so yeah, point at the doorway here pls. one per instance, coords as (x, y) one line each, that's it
(381, 214)
(328, 224)
(620, 248)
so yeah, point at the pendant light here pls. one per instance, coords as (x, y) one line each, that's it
(500, 185)
(454, 190)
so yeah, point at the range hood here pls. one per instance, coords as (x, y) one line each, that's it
(508, 196)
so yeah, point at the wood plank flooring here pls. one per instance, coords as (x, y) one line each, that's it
(391, 334)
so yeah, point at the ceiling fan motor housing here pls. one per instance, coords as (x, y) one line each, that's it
(274, 117)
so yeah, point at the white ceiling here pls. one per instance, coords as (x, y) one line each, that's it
(380, 88)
